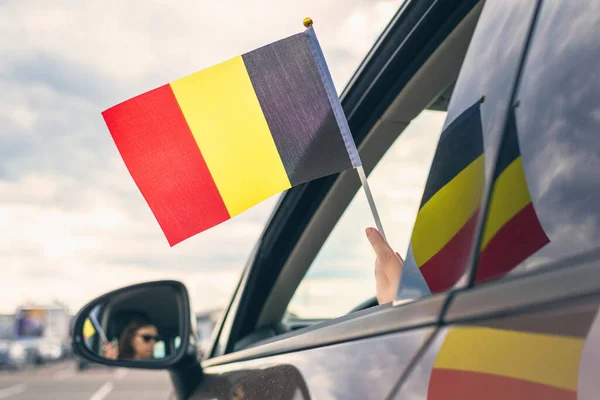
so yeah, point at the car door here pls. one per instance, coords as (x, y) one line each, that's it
(527, 325)
(262, 348)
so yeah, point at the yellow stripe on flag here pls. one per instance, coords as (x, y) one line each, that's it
(547, 359)
(226, 119)
(88, 329)
(510, 195)
(447, 211)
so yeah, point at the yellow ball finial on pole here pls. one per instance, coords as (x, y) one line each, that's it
(308, 22)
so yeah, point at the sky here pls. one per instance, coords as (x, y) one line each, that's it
(73, 224)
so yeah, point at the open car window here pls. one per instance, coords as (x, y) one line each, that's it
(416, 164)
(341, 276)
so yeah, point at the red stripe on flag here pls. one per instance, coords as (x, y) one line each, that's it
(163, 158)
(448, 384)
(447, 266)
(518, 239)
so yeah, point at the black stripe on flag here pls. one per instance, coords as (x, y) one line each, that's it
(290, 91)
(460, 144)
(510, 149)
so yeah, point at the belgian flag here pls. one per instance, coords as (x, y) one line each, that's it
(205, 148)
(447, 216)
(445, 226)
(512, 230)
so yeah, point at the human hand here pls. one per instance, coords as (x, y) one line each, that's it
(388, 267)
(110, 351)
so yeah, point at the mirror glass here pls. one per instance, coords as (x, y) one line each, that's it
(137, 324)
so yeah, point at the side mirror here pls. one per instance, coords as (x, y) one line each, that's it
(141, 326)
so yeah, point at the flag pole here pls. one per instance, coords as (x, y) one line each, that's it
(342, 122)
(367, 189)
(98, 327)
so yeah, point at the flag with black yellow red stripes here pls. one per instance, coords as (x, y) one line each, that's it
(445, 226)
(447, 217)
(209, 146)
(512, 230)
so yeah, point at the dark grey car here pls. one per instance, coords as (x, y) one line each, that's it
(504, 225)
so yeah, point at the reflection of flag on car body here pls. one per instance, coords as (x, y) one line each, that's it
(533, 356)
(207, 147)
(512, 231)
(445, 223)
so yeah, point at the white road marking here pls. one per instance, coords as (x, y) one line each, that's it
(11, 391)
(120, 373)
(103, 391)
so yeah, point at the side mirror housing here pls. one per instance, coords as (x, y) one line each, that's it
(144, 326)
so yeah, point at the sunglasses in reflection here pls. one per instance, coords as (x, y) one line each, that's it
(149, 338)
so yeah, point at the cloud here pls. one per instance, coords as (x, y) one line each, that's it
(73, 223)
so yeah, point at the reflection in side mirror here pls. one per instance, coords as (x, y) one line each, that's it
(145, 325)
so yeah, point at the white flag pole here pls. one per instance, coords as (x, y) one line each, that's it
(367, 189)
(340, 117)
(98, 327)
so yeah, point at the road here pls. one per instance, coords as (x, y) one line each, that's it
(63, 382)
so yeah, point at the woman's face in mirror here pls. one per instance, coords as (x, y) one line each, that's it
(144, 340)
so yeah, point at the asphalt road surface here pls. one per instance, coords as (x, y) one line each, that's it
(62, 381)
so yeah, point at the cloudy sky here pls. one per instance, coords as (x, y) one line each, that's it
(73, 224)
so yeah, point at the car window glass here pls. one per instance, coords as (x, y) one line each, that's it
(342, 275)
(445, 224)
(444, 233)
(545, 202)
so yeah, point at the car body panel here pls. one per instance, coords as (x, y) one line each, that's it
(362, 369)
(518, 350)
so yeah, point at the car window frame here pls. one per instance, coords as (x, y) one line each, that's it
(383, 319)
(417, 30)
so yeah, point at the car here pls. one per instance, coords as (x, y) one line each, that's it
(489, 112)
(13, 355)
(51, 349)
(17, 354)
